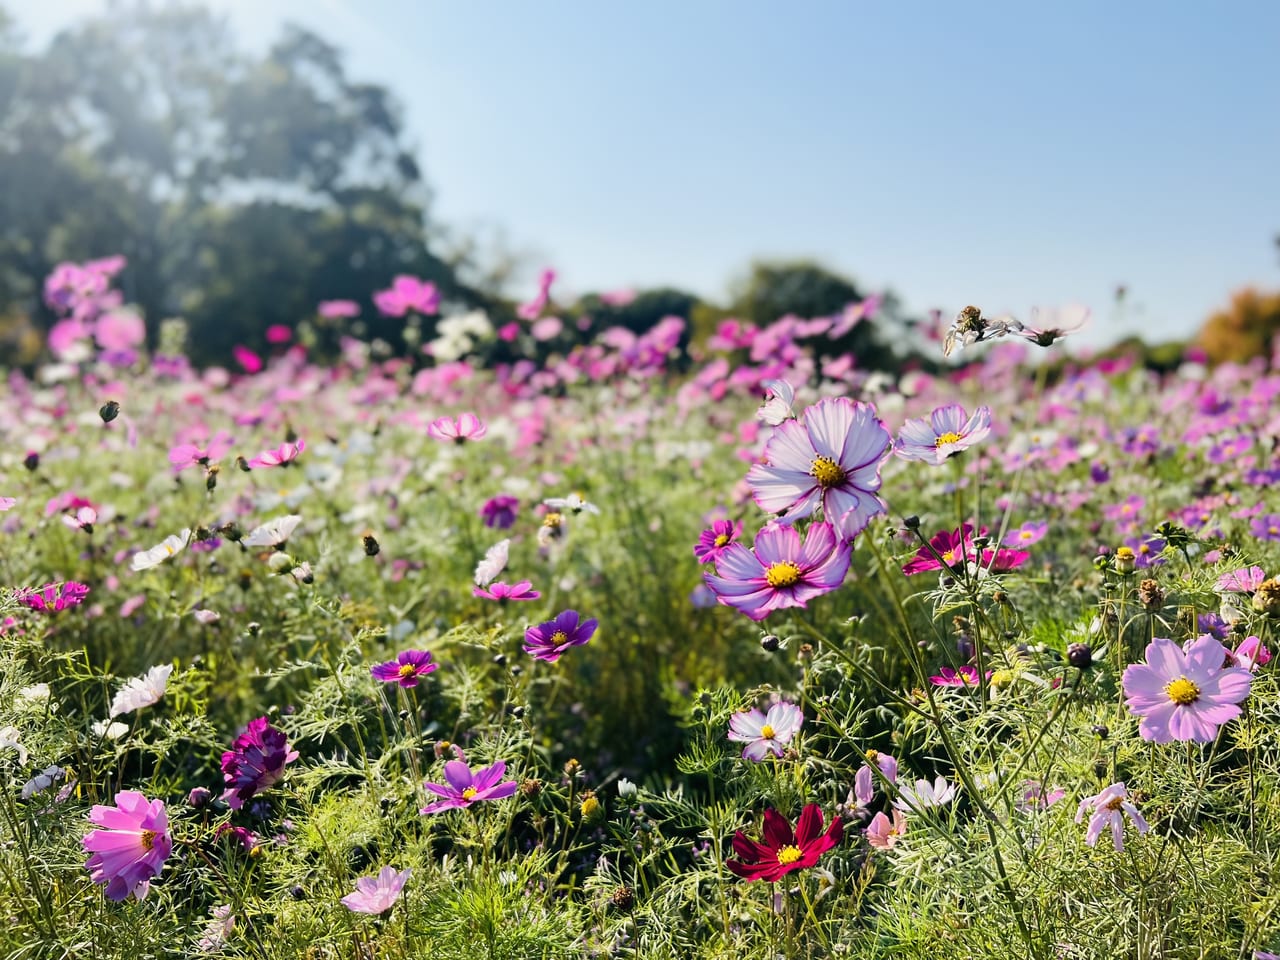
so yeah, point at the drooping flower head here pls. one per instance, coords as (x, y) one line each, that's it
(948, 431)
(463, 787)
(378, 894)
(281, 455)
(547, 641)
(1109, 808)
(273, 533)
(713, 540)
(406, 669)
(131, 847)
(780, 850)
(1184, 695)
(765, 733)
(781, 571)
(500, 511)
(255, 762)
(831, 460)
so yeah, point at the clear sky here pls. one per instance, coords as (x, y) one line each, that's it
(1001, 154)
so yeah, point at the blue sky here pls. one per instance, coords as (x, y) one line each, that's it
(1006, 155)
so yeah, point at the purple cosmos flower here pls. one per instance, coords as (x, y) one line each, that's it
(503, 592)
(1027, 534)
(255, 762)
(765, 733)
(864, 779)
(1213, 625)
(1244, 580)
(1109, 808)
(406, 669)
(1266, 527)
(548, 640)
(53, 597)
(462, 788)
(966, 676)
(953, 546)
(500, 511)
(131, 847)
(1184, 696)
(781, 572)
(1146, 551)
(946, 433)
(378, 894)
(833, 459)
(713, 540)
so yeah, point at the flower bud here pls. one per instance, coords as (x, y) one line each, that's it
(199, 797)
(1080, 655)
(371, 545)
(1125, 561)
(31, 461)
(109, 411)
(769, 642)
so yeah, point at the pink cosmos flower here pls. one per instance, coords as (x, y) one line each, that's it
(713, 541)
(250, 361)
(1027, 534)
(1244, 580)
(378, 894)
(1036, 797)
(780, 572)
(946, 433)
(255, 762)
(7, 503)
(503, 592)
(882, 833)
(765, 733)
(462, 787)
(406, 669)
(132, 846)
(335, 309)
(832, 460)
(285, 453)
(466, 427)
(82, 519)
(1109, 808)
(864, 779)
(278, 333)
(1184, 695)
(966, 676)
(955, 547)
(533, 309)
(185, 455)
(407, 294)
(53, 597)
(1251, 654)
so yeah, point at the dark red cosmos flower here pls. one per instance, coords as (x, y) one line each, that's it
(782, 851)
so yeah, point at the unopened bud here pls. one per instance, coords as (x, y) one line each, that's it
(769, 642)
(371, 545)
(1080, 655)
(109, 411)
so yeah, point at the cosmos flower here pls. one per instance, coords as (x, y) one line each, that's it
(832, 460)
(914, 799)
(161, 552)
(131, 847)
(42, 781)
(500, 511)
(82, 519)
(285, 453)
(946, 433)
(335, 309)
(1184, 695)
(882, 833)
(9, 741)
(864, 779)
(955, 547)
(965, 676)
(1266, 527)
(1027, 534)
(713, 540)
(463, 787)
(464, 428)
(1109, 808)
(407, 294)
(503, 592)
(406, 669)
(255, 762)
(53, 597)
(494, 562)
(1051, 326)
(766, 733)
(574, 503)
(1244, 580)
(1251, 654)
(547, 641)
(378, 894)
(141, 691)
(780, 405)
(184, 455)
(780, 572)
(273, 533)
(781, 851)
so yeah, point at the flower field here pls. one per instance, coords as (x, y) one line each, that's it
(636, 648)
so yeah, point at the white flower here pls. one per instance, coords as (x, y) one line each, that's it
(303, 573)
(273, 532)
(141, 691)
(207, 617)
(218, 930)
(494, 562)
(37, 691)
(161, 552)
(574, 502)
(9, 741)
(109, 731)
(779, 406)
(42, 781)
(924, 795)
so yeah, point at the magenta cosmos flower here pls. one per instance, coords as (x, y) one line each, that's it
(781, 572)
(378, 894)
(548, 640)
(255, 762)
(1184, 695)
(765, 733)
(502, 592)
(406, 669)
(500, 511)
(966, 676)
(131, 847)
(462, 787)
(407, 294)
(954, 547)
(713, 540)
(53, 597)
(832, 460)
(1109, 808)
(466, 427)
(285, 453)
(947, 432)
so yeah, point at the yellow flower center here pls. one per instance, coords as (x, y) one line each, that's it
(1182, 691)
(148, 838)
(469, 793)
(1124, 553)
(782, 574)
(789, 855)
(767, 732)
(559, 637)
(827, 472)
(1001, 678)
(722, 540)
(946, 438)
(408, 670)
(872, 756)
(552, 520)
(949, 558)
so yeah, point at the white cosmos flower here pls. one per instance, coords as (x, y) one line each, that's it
(37, 691)
(141, 691)
(914, 799)
(778, 407)
(574, 502)
(161, 551)
(111, 731)
(42, 781)
(9, 741)
(273, 532)
(494, 562)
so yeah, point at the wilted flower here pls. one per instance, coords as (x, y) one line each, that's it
(131, 847)
(780, 851)
(766, 733)
(1109, 808)
(463, 787)
(9, 741)
(1184, 695)
(406, 669)
(141, 691)
(378, 894)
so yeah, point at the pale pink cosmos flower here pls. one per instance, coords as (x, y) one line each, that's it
(378, 894)
(82, 519)
(1184, 695)
(185, 455)
(335, 309)
(882, 833)
(533, 309)
(948, 431)
(7, 503)
(864, 779)
(464, 428)
(1244, 580)
(1109, 808)
(765, 733)
(285, 453)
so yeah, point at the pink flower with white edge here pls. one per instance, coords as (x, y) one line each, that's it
(946, 433)
(464, 428)
(1109, 808)
(1184, 695)
(285, 453)
(765, 733)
